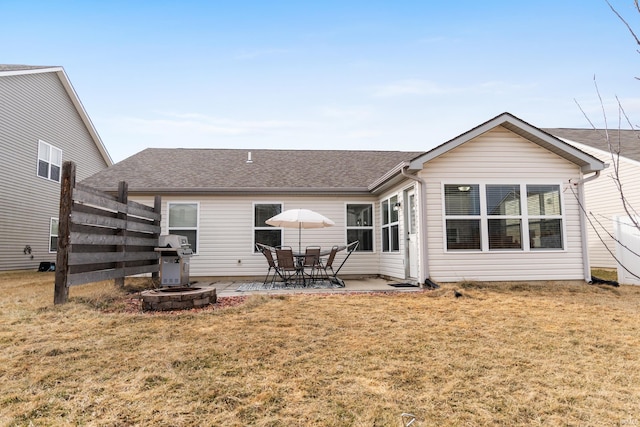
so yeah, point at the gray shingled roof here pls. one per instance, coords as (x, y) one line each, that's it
(226, 170)
(20, 67)
(629, 139)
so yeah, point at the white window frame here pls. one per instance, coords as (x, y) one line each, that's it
(524, 217)
(51, 235)
(176, 230)
(268, 227)
(370, 227)
(386, 228)
(46, 153)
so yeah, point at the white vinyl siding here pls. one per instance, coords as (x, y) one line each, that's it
(500, 157)
(226, 233)
(36, 107)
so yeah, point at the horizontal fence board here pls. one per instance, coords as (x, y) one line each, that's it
(80, 196)
(92, 190)
(82, 218)
(99, 239)
(96, 257)
(77, 207)
(142, 211)
(99, 276)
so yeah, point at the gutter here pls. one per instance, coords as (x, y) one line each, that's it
(583, 222)
(424, 257)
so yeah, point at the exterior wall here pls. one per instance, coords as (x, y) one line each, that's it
(603, 200)
(500, 156)
(36, 107)
(225, 243)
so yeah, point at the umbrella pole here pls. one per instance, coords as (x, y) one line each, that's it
(299, 238)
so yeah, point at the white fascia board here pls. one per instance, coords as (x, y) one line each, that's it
(83, 115)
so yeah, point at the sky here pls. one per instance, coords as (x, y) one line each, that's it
(358, 75)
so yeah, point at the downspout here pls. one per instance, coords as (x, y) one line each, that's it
(583, 223)
(424, 258)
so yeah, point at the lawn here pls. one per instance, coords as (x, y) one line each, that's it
(501, 354)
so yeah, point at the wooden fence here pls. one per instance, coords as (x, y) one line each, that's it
(101, 236)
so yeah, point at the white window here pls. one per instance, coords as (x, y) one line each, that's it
(53, 235)
(183, 220)
(545, 216)
(49, 161)
(360, 225)
(390, 230)
(262, 232)
(497, 217)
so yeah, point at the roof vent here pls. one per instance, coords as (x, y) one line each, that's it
(249, 157)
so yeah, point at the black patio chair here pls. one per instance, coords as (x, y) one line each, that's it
(311, 262)
(267, 251)
(287, 266)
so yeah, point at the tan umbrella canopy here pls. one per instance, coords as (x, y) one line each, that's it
(300, 218)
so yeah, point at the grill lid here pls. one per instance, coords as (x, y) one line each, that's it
(175, 241)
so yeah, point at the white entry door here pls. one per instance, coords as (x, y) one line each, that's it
(412, 236)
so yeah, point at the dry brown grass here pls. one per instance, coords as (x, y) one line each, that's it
(508, 354)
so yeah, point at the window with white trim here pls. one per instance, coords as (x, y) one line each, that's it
(263, 232)
(183, 220)
(545, 216)
(360, 225)
(53, 235)
(497, 217)
(390, 230)
(49, 161)
(462, 213)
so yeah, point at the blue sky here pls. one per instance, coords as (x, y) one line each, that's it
(392, 75)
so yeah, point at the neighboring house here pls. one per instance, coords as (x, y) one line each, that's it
(491, 204)
(42, 124)
(603, 200)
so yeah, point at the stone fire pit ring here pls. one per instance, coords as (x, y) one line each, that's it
(178, 298)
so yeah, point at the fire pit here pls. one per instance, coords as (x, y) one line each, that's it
(178, 298)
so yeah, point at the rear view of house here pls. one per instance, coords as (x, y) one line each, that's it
(499, 202)
(42, 124)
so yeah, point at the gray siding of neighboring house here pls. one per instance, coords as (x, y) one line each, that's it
(36, 107)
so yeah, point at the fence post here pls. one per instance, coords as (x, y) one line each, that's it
(157, 208)
(61, 291)
(123, 197)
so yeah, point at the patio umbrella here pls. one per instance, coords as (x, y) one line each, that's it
(300, 218)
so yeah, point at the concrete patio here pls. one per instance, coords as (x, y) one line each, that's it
(229, 287)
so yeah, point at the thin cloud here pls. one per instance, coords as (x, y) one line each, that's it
(203, 124)
(419, 87)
